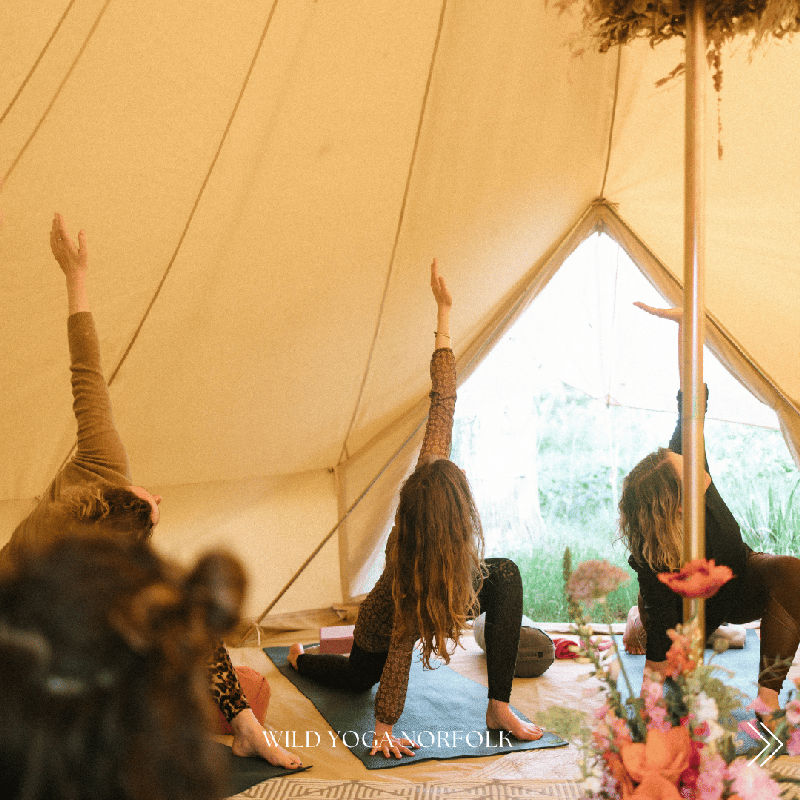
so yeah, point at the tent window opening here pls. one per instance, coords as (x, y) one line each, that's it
(578, 391)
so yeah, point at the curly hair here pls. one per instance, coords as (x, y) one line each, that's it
(650, 518)
(437, 557)
(103, 658)
(114, 508)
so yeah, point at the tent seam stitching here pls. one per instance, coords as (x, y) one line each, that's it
(36, 63)
(57, 93)
(613, 120)
(194, 208)
(398, 231)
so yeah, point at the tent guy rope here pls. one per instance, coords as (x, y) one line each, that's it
(332, 531)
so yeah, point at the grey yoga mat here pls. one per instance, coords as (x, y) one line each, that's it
(444, 712)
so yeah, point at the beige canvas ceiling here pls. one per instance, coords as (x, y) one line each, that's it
(264, 184)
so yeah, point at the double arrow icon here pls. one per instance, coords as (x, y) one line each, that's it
(770, 744)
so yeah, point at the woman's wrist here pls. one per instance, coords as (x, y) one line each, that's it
(77, 296)
(442, 332)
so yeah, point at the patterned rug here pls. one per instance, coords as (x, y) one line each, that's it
(299, 787)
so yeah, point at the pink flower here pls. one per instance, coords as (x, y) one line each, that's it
(747, 726)
(657, 719)
(793, 745)
(698, 578)
(594, 579)
(710, 778)
(759, 706)
(751, 781)
(793, 712)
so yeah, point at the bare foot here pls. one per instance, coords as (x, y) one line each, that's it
(295, 650)
(250, 739)
(499, 716)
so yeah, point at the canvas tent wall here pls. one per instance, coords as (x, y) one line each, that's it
(264, 184)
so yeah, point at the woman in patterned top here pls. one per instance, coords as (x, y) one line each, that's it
(764, 586)
(434, 579)
(93, 491)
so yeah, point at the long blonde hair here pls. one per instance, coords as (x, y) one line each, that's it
(437, 557)
(650, 518)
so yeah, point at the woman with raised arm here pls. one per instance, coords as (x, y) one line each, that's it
(94, 491)
(763, 586)
(434, 578)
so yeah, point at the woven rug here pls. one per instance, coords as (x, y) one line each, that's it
(300, 787)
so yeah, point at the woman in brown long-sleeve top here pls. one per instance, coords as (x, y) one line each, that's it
(94, 490)
(434, 578)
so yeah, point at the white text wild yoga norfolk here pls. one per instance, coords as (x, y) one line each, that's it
(351, 739)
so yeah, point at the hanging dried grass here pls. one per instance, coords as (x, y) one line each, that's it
(608, 23)
(614, 22)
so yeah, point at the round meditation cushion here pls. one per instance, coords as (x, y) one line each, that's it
(536, 651)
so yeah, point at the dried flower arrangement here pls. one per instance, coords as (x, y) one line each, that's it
(616, 22)
(608, 23)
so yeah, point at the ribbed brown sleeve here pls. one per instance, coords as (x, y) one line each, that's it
(100, 451)
(375, 630)
(439, 428)
(99, 457)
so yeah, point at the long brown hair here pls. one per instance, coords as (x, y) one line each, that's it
(650, 519)
(437, 558)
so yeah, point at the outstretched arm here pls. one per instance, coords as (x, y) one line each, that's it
(675, 315)
(439, 429)
(100, 452)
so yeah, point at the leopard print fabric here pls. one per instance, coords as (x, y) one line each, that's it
(225, 688)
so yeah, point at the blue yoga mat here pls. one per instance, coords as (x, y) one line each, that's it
(444, 711)
(742, 662)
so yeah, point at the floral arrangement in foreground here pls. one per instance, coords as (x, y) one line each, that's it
(677, 740)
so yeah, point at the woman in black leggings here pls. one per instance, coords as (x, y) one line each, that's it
(764, 586)
(433, 580)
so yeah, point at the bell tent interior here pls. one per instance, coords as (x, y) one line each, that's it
(263, 185)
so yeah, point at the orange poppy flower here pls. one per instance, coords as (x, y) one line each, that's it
(699, 578)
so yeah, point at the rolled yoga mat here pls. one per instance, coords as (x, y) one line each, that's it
(444, 711)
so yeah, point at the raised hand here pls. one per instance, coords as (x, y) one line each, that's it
(440, 291)
(74, 261)
(673, 314)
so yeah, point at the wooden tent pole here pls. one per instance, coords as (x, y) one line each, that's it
(693, 409)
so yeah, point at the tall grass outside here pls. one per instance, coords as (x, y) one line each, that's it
(584, 449)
